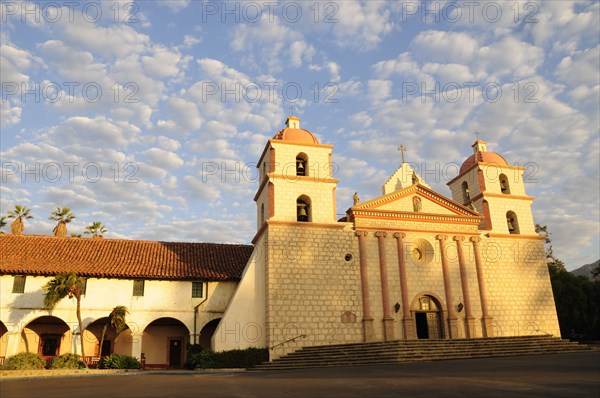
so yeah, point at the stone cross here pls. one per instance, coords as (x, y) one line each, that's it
(402, 148)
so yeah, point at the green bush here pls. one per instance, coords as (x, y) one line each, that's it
(24, 361)
(206, 359)
(116, 361)
(67, 361)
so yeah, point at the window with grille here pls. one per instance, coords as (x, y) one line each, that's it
(138, 288)
(197, 289)
(19, 284)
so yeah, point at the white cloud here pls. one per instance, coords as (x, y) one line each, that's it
(360, 25)
(581, 68)
(163, 159)
(271, 43)
(175, 5)
(163, 62)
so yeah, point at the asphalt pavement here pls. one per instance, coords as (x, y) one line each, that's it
(557, 375)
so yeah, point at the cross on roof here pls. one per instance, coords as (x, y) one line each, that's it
(292, 110)
(477, 134)
(402, 149)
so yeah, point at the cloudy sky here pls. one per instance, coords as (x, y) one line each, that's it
(150, 116)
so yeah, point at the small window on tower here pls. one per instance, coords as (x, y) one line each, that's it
(504, 186)
(301, 164)
(303, 209)
(465, 192)
(512, 223)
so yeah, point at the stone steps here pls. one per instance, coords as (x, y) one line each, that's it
(401, 351)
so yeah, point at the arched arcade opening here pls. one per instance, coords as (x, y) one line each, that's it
(163, 343)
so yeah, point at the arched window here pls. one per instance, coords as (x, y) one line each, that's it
(504, 187)
(303, 209)
(512, 222)
(301, 164)
(417, 205)
(465, 192)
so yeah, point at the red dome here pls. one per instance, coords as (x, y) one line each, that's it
(296, 135)
(482, 157)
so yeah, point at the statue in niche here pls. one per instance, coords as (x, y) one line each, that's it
(417, 205)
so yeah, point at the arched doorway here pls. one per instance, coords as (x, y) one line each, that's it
(207, 333)
(113, 343)
(427, 312)
(163, 343)
(3, 341)
(47, 335)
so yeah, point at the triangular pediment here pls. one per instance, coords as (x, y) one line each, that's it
(404, 200)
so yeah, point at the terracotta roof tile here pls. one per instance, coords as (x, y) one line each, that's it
(116, 258)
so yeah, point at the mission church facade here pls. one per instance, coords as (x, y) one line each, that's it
(410, 264)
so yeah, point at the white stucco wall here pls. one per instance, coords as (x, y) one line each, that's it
(172, 299)
(243, 324)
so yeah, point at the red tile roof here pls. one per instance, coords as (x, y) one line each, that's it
(119, 258)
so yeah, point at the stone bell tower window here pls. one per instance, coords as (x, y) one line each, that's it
(504, 186)
(301, 164)
(465, 192)
(303, 209)
(512, 223)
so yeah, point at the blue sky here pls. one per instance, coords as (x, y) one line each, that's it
(150, 116)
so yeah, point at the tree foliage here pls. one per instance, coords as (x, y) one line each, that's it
(550, 258)
(64, 216)
(65, 285)
(20, 213)
(116, 320)
(576, 297)
(96, 229)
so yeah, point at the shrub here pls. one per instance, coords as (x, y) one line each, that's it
(206, 359)
(24, 361)
(116, 361)
(67, 361)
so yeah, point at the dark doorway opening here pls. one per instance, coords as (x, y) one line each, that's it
(422, 328)
(174, 353)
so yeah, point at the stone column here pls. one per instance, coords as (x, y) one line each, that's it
(408, 322)
(368, 331)
(469, 318)
(388, 321)
(486, 319)
(452, 323)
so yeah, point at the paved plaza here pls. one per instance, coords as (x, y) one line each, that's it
(563, 375)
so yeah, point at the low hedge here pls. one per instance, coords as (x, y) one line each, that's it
(67, 361)
(207, 359)
(117, 361)
(24, 361)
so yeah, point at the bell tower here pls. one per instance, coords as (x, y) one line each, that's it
(489, 185)
(296, 182)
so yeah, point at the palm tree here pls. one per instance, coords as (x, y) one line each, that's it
(2, 221)
(96, 229)
(61, 286)
(63, 216)
(116, 319)
(20, 213)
